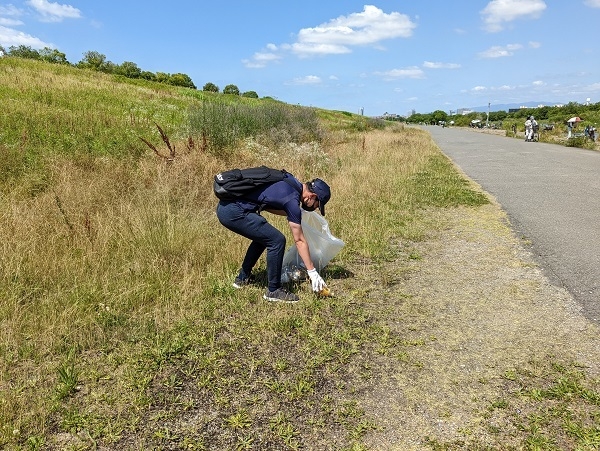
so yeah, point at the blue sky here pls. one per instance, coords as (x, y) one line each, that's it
(378, 56)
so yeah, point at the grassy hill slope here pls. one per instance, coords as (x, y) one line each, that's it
(119, 327)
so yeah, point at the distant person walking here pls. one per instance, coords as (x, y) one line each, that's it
(534, 130)
(528, 129)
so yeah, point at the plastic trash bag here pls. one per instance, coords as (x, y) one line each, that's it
(322, 244)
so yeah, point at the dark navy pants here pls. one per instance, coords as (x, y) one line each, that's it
(253, 226)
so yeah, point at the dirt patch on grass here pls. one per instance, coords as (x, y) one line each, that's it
(473, 307)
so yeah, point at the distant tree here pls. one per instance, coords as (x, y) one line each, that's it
(109, 67)
(419, 118)
(46, 54)
(24, 51)
(439, 115)
(210, 87)
(128, 69)
(163, 77)
(53, 56)
(93, 60)
(251, 94)
(542, 112)
(498, 115)
(2, 51)
(463, 120)
(525, 113)
(147, 75)
(571, 109)
(182, 80)
(231, 89)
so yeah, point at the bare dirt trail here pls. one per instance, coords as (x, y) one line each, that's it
(476, 306)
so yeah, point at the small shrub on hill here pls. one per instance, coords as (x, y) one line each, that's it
(224, 125)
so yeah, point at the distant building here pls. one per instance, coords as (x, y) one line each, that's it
(464, 111)
(523, 107)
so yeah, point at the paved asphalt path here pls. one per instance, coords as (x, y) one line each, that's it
(551, 194)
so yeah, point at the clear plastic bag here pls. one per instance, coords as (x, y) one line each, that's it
(322, 244)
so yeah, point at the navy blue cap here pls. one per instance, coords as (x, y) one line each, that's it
(323, 192)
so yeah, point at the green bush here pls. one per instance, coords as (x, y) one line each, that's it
(581, 142)
(224, 125)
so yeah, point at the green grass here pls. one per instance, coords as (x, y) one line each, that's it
(119, 327)
(84, 112)
(439, 185)
(548, 405)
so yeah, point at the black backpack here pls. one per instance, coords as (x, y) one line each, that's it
(235, 183)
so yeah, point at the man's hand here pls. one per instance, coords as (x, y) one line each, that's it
(316, 280)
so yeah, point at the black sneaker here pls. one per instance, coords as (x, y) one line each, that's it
(281, 295)
(240, 283)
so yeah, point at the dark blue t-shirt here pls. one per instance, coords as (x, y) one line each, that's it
(277, 196)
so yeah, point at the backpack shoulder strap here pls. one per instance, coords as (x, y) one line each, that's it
(289, 181)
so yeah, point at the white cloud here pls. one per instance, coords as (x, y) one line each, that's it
(261, 59)
(409, 72)
(340, 35)
(8, 16)
(592, 3)
(432, 65)
(10, 22)
(504, 88)
(368, 27)
(10, 10)
(54, 12)
(10, 37)
(593, 87)
(304, 49)
(307, 80)
(499, 51)
(534, 45)
(497, 12)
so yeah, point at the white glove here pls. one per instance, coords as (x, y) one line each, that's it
(316, 280)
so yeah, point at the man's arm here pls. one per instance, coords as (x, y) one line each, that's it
(301, 245)
(299, 239)
(317, 282)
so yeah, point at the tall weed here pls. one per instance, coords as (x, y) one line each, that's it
(225, 125)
